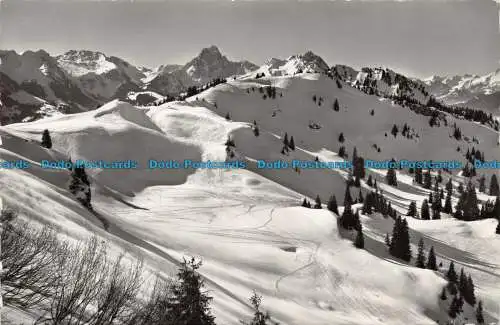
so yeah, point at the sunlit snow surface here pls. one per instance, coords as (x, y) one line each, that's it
(249, 229)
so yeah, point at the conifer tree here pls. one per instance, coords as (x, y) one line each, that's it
(347, 196)
(412, 209)
(259, 317)
(470, 209)
(375, 184)
(391, 177)
(228, 117)
(369, 182)
(292, 143)
(497, 231)
(479, 313)
(342, 151)
(332, 204)
(454, 308)
(318, 205)
(387, 240)
(368, 203)
(449, 187)
(427, 179)
(420, 263)
(405, 242)
(394, 130)
(462, 283)
(436, 211)
(482, 184)
(347, 219)
(424, 211)
(452, 288)
(336, 106)
(357, 181)
(79, 186)
(418, 176)
(431, 260)
(470, 295)
(356, 220)
(285, 141)
(400, 242)
(494, 188)
(360, 238)
(447, 205)
(46, 139)
(360, 197)
(189, 305)
(443, 294)
(255, 129)
(341, 137)
(452, 274)
(304, 203)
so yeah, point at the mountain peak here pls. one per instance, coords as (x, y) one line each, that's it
(307, 62)
(81, 62)
(212, 51)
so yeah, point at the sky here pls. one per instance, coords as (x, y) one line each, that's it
(419, 38)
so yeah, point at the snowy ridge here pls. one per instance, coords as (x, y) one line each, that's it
(258, 218)
(247, 224)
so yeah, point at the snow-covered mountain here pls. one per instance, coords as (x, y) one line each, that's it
(33, 84)
(247, 224)
(468, 90)
(101, 77)
(299, 63)
(208, 65)
(82, 80)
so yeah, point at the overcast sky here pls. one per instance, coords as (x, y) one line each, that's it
(419, 38)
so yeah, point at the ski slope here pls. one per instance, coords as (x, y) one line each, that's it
(246, 224)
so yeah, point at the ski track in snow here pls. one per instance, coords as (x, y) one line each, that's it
(213, 214)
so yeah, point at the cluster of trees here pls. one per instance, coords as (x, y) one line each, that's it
(376, 202)
(287, 144)
(473, 155)
(461, 288)
(317, 100)
(423, 179)
(466, 113)
(405, 132)
(349, 220)
(399, 245)
(82, 284)
(425, 263)
(194, 90)
(469, 170)
(260, 75)
(268, 91)
(467, 207)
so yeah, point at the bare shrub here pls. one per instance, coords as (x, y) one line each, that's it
(28, 255)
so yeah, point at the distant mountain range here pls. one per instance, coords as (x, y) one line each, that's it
(468, 90)
(36, 84)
